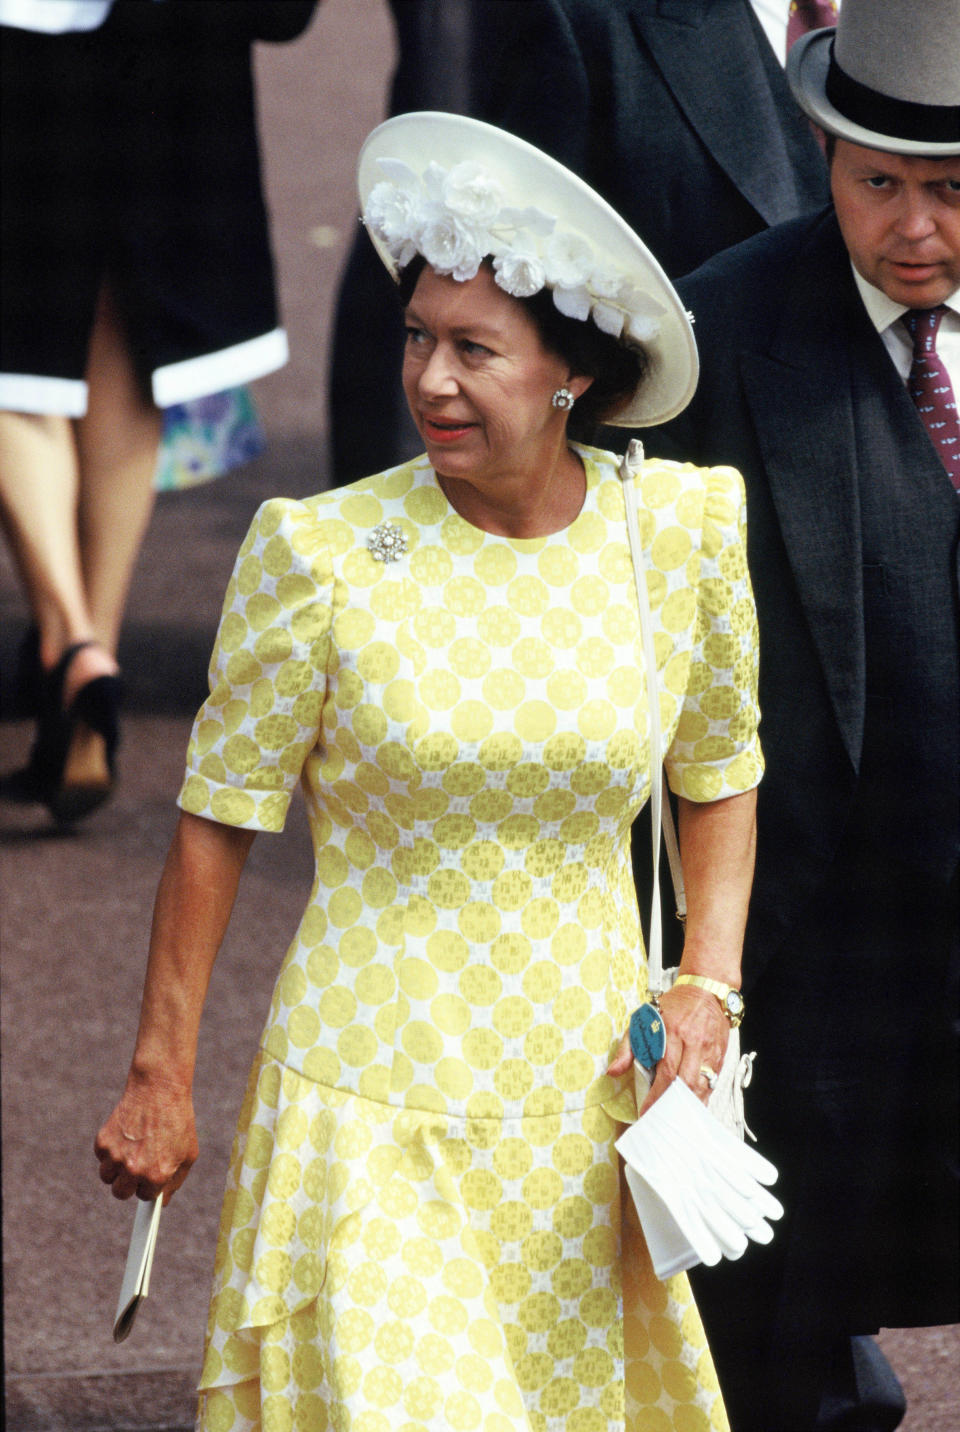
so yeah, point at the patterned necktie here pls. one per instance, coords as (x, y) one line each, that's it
(930, 388)
(807, 15)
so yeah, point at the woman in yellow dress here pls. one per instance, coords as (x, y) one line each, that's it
(424, 1227)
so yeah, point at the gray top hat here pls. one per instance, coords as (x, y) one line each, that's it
(888, 77)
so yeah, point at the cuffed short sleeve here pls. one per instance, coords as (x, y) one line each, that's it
(716, 750)
(268, 674)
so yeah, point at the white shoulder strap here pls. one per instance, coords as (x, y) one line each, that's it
(661, 815)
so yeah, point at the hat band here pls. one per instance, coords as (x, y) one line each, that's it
(900, 118)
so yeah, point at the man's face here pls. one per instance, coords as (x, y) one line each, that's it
(900, 219)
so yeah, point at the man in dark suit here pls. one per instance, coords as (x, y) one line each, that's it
(830, 350)
(676, 111)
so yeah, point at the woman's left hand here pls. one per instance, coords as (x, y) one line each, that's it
(717, 840)
(697, 1034)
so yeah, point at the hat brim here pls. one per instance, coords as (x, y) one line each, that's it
(807, 66)
(523, 170)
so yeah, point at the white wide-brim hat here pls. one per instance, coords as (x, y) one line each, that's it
(543, 227)
(888, 76)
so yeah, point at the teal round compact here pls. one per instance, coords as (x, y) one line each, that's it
(648, 1035)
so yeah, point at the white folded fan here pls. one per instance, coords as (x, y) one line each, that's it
(698, 1189)
(136, 1274)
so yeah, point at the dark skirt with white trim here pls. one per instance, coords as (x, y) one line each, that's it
(130, 157)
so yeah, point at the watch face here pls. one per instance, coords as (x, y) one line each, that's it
(734, 1002)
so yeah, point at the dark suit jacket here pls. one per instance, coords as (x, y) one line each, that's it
(677, 111)
(797, 391)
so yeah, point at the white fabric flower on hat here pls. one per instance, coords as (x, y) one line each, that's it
(471, 193)
(607, 284)
(530, 220)
(450, 246)
(607, 318)
(641, 328)
(643, 312)
(519, 270)
(392, 213)
(573, 302)
(569, 259)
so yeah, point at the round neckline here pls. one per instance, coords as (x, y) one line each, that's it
(530, 544)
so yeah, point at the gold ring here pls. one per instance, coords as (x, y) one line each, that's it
(710, 1075)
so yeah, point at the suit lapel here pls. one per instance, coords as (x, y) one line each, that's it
(708, 50)
(800, 395)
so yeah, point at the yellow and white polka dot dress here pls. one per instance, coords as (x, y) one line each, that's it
(424, 1229)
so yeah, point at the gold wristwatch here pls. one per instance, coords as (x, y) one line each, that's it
(731, 1000)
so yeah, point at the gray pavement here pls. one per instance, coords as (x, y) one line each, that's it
(75, 908)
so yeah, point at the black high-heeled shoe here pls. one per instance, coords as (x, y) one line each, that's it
(72, 764)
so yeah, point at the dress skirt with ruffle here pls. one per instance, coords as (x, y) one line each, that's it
(390, 1270)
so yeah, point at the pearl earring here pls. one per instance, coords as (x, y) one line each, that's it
(563, 398)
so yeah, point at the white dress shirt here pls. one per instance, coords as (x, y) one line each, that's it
(773, 15)
(885, 315)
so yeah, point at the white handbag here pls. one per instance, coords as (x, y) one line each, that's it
(699, 1190)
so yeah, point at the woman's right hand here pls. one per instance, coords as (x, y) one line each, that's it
(149, 1143)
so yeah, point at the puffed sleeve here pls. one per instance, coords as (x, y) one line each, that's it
(268, 674)
(716, 750)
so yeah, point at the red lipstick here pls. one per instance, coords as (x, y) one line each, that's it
(441, 431)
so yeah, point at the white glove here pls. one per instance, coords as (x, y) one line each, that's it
(697, 1187)
(669, 1247)
(677, 1234)
(690, 1128)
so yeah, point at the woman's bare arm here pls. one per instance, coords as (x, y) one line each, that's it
(718, 844)
(149, 1142)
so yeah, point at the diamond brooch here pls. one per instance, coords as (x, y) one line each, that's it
(387, 542)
